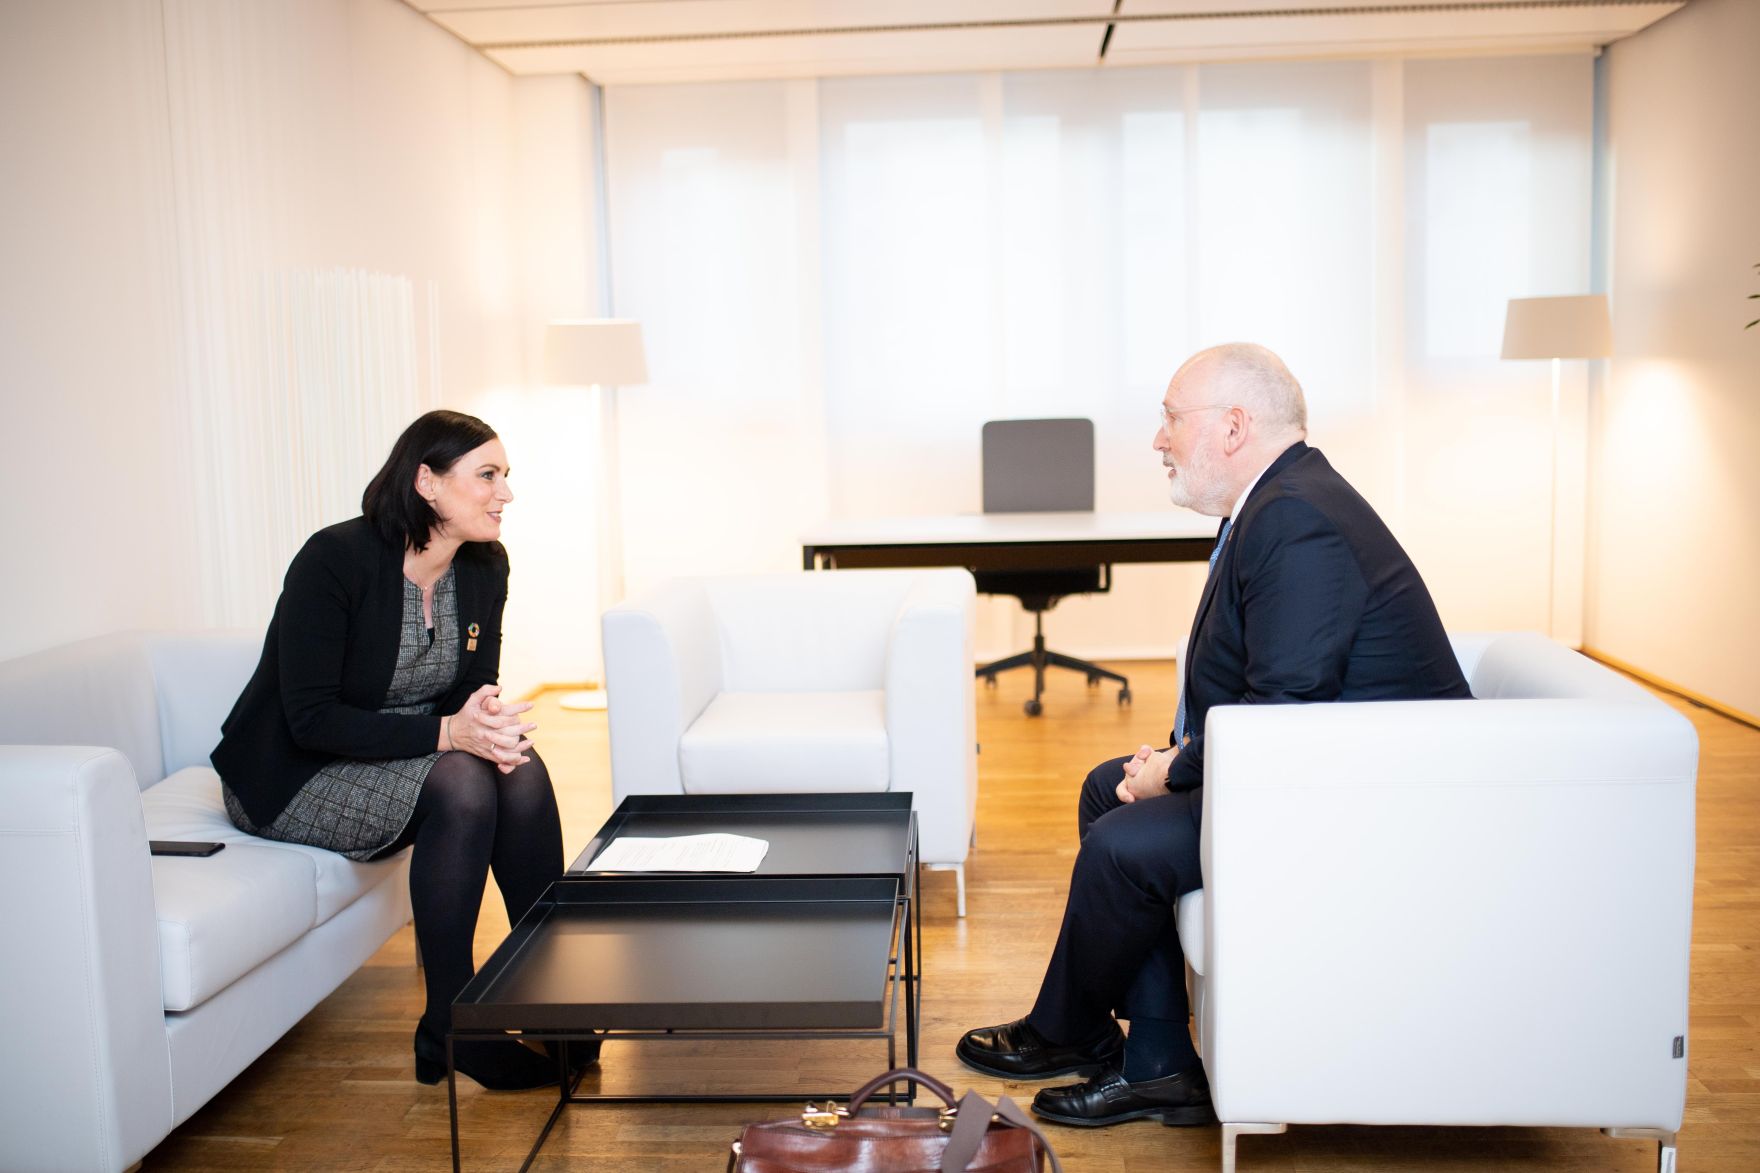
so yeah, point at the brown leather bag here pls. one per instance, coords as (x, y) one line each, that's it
(878, 1138)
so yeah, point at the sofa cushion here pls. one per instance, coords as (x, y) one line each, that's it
(222, 916)
(188, 805)
(777, 742)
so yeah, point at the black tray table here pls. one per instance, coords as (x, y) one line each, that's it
(670, 955)
(810, 835)
(813, 945)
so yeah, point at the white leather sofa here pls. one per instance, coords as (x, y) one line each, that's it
(134, 987)
(858, 680)
(1447, 912)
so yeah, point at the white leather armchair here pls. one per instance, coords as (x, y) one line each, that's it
(1445, 912)
(859, 680)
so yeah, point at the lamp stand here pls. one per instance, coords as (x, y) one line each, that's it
(1552, 511)
(594, 698)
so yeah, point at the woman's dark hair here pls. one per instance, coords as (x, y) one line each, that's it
(391, 504)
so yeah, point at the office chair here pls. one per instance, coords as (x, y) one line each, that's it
(1042, 466)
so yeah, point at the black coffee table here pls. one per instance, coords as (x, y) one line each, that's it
(814, 945)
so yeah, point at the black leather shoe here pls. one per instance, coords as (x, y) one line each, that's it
(500, 1066)
(1107, 1099)
(1015, 1050)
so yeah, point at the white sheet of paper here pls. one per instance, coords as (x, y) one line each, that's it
(682, 853)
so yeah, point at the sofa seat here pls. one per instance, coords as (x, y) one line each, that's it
(787, 742)
(223, 915)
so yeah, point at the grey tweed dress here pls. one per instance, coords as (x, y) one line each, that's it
(357, 807)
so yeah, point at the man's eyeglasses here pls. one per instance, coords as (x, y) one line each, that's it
(1165, 418)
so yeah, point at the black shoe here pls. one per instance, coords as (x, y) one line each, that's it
(1107, 1099)
(500, 1066)
(581, 1054)
(1015, 1050)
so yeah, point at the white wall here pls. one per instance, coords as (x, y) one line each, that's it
(101, 531)
(245, 245)
(552, 433)
(841, 280)
(1675, 533)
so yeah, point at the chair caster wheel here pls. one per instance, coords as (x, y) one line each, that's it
(1093, 681)
(1124, 696)
(989, 682)
(1033, 708)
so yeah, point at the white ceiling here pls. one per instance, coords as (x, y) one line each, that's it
(620, 42)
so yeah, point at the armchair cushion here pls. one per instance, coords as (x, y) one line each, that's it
(777, 742)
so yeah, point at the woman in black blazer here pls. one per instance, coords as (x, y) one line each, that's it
(373, 721)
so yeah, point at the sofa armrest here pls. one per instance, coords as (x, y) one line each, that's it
(662, 668)
(86, 1083)
(1448, 911)
(931, 711)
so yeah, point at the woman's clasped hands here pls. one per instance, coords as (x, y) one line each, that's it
(491, 729)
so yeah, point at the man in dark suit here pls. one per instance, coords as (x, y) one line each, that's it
(1309, 598)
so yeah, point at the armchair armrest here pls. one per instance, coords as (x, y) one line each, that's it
(1503, 887)
(662, 668)
(87, 1079)
(931, 714)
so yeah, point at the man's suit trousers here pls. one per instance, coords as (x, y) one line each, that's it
(1117, 952)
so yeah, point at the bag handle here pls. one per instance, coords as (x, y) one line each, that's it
(973, 1121)
(900, 1075)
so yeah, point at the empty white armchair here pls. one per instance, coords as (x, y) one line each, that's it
(859, 680)
(1449, 912)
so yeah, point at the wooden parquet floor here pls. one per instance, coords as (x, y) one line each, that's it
(338, 1093)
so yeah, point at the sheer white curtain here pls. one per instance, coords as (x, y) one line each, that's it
(713, 198)
(912, 256)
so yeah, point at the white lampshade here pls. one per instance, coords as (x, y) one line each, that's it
(1558, 327)
(605, 351)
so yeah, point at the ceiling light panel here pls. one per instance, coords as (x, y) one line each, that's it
(1485, 28)
(815, 55)
(489, 26)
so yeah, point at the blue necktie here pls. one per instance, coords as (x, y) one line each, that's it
(1179, 717)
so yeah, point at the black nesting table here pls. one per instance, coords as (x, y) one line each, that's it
(816, 944)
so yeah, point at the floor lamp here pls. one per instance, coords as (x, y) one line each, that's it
(605, 353)
(1556, 328)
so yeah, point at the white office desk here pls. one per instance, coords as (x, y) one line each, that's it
(1012, 541)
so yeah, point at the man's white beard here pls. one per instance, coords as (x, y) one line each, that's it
(1197, 487)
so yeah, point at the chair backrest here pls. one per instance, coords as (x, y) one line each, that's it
(807, 632)
(94, 692)
(156, 697)
(1525, 665)
(1038, 466)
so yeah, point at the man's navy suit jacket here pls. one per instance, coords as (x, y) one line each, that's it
(1311, 599)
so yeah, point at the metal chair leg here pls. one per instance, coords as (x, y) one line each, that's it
(959, 881)
(1665, 1153)
(1233, 1132)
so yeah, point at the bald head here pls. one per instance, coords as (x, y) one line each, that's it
(1247, 374)
(1229, 412)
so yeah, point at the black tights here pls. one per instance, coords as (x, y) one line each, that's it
(469, 820)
